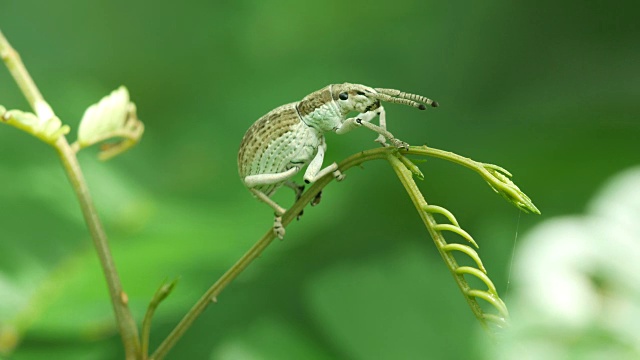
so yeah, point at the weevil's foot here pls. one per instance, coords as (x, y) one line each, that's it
(299, 190)
(278, 229)
(339, 175)
(400, 144)
(382, 140)
(316, 199)
(300, 214)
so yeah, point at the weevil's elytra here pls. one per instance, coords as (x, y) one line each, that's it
(288, 138)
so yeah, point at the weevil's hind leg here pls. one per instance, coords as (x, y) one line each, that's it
(269, 179)
(298, 189)
(278, 229)
(279, 210)
(252, 181)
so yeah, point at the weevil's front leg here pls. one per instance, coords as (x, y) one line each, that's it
(383, 133)
(314, 173)
(354, 122)
(386, 135)
(382, 115)
(364, 119)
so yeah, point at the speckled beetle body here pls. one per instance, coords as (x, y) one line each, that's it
(290, 137)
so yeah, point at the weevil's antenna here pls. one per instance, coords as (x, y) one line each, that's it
(397, 95)
(387, 98)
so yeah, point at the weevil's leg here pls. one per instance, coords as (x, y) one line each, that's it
(299, 189)
(386, 134)
(316, 199)
(279, 210)
(354, 122)
(278, 229)
(268, 179)
(382, 115)
(364, 119)
(314, 173)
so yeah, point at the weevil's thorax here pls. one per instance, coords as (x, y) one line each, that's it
(319, 111)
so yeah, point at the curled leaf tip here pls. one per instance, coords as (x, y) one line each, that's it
(500, 182)
(113, 118)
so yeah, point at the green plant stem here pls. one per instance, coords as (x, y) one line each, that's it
(17, 69)
(254, 252)
(451, 157)
(126, 325)
(406, 178)
(257, 249)
(161, 294)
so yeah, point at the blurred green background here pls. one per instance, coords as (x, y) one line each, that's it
(547, 89)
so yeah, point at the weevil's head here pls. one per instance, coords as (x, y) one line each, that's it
(360, 98)
(354, 97)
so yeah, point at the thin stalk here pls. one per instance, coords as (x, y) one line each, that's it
(161, 294)
(445, 155)
(126, 325)
(406, 178)
(449, 156)
(19, 72)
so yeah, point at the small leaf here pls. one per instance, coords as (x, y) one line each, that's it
(113, 117)
(48, 130)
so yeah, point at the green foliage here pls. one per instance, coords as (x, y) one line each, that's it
(547, 89)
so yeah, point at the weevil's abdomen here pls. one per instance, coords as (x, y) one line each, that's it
(275, 143)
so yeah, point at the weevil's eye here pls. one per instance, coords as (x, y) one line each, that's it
(343, 96)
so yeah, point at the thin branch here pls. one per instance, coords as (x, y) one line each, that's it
(126, 325)
(212, 293)
(17, 69)
(256, 250)
(163, 291)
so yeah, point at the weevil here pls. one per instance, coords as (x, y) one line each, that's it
(288, 138)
